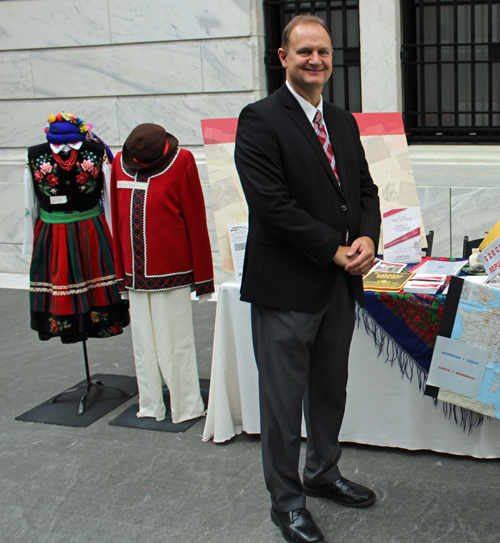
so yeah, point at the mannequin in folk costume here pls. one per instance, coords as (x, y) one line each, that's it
(73, 286)
(162, 253)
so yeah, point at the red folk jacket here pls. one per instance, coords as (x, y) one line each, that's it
(160, 235)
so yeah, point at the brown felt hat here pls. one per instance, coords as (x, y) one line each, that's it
(148, 146)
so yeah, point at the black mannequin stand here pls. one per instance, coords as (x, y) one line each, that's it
(88, 385)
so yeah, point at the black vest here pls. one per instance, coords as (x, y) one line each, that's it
(57, 189)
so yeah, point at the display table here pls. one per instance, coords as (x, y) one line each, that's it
(383, 407)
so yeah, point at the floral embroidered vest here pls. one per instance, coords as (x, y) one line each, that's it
(78, 189)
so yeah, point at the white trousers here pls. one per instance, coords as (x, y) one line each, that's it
(163, 338)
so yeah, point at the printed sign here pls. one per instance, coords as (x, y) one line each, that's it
(402, 241)
(457, 366)
(238, 238)
(490, 257)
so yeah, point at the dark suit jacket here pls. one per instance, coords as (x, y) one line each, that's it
(298, 215)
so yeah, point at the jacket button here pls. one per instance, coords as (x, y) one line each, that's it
(343, 208)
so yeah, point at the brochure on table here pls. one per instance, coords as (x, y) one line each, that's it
(238, 239)
(401, 228)
(457, 366)
(439, 267)
(425, 283)
(384, 266)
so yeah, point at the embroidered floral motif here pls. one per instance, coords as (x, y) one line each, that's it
(52, 180)
(98, 316)
(87, 165)
(45, 167)
(45, 174)
(82, 178)
(116, 328)
(88, 170)
(108, 331)
(58, 325)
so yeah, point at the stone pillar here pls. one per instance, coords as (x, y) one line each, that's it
(380, 38)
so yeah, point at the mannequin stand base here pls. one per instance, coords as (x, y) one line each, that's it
(86, 390)
(100, 401)
(129, 417)
(88, 384)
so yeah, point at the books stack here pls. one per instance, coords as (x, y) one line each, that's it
(423, 283)
(386, 281)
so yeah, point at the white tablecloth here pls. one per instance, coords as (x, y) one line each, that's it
(383, 407)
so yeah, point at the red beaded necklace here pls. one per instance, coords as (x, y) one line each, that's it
(66, 164)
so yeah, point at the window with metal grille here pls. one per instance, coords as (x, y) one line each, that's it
(451, 70)
(342, 18)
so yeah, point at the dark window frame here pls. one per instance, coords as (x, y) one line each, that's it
(450, 71)
(344, 87)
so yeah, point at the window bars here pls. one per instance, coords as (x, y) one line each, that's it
(451, 70)
(342, 18)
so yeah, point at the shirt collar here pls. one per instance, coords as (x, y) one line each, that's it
(308, 108)
(59, 147)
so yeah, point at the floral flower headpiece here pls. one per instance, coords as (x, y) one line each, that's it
(69, 117)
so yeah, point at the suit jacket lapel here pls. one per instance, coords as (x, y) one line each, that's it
(299, 117)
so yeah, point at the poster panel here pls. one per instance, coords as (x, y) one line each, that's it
(384, 141)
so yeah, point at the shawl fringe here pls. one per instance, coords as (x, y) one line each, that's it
(466, 418)
(390, 349)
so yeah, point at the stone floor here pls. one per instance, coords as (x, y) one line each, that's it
(108, 484)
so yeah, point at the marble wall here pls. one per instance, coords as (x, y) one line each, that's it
(458, 188)
(118, 63)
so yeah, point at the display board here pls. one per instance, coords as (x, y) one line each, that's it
(386, 148)
(383, 138)
(227, 195)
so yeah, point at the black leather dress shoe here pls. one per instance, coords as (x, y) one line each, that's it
(297, 526)
(343, 492)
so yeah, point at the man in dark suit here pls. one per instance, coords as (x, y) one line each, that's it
(314, 224)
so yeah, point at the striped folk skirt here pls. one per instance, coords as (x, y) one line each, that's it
(73, 286)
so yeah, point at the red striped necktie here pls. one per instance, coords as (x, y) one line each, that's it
(320, 129)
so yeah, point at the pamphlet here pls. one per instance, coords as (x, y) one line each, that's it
(401, 228)
(238, 239)
(457, 366)
(423, 283)
(440, 267)
(384, 266)
(422, 287)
